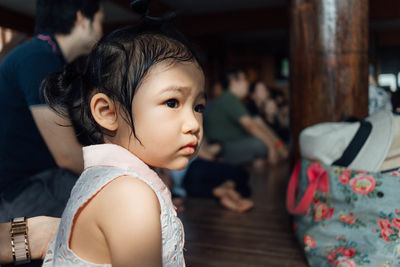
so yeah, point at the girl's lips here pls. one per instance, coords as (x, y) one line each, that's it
(191, 144)
(188, 150)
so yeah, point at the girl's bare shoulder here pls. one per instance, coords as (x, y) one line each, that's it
(127, 191)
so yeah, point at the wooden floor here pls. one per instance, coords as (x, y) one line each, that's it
(261, 237)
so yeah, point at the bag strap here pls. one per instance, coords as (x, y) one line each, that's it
(318, 179)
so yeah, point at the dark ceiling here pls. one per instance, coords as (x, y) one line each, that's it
(234, 20)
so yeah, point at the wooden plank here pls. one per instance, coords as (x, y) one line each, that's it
(261, 237)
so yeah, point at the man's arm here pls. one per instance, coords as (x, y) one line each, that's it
(59, 137)
(209, 151)
(41, 231)
(278, 143)
(5, 243)
(252, 127)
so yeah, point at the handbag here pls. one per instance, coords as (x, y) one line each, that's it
(345, 217)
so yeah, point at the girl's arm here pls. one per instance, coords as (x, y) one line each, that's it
(130, 221)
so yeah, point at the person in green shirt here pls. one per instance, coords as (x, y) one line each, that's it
(242, 137)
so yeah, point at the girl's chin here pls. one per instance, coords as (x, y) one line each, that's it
(175, 166)
(180, 165)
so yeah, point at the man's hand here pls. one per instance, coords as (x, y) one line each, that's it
(41, 231)
(59, 137)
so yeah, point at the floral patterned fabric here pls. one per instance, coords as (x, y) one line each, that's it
(104, 163)
(355, 221)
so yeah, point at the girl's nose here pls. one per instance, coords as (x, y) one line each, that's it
(191, 123)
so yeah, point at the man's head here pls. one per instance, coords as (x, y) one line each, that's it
(59, 16)
(79, 21)
(237, 83)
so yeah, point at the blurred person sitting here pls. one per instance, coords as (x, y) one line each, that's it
(40, 159)
(217, 90)
(229, 123)
(258, 95)
(378, 98)
(262, 104)
(206, 176)
(276, 118)
(396, 102)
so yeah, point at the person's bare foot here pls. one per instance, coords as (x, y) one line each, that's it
(239, 205)
(245, 205)
(219, 192)
(230, 199)
(229, 184)
(233, 194)
(223, 188)
(229, 203)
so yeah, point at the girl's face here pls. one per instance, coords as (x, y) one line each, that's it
(168, 116)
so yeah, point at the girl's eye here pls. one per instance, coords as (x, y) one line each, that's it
(172, 103)
(199, 108)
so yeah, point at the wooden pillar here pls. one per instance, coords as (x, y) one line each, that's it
(329, 61)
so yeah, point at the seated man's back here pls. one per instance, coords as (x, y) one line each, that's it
(222, 119)
(23, 151)
(40, 158)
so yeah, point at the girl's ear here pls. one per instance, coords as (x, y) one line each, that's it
(104, 111)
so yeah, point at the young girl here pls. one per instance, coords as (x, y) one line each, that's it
(138, 105)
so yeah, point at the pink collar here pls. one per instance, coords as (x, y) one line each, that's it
(117, 156)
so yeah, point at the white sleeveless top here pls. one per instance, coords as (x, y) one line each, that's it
(104, 163)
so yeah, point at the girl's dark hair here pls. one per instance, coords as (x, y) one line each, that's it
(116, 67)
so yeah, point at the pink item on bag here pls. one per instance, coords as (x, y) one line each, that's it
(318, 180)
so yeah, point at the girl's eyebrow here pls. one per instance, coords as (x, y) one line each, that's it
(202, 95)
(183, 90)
(179, 89)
